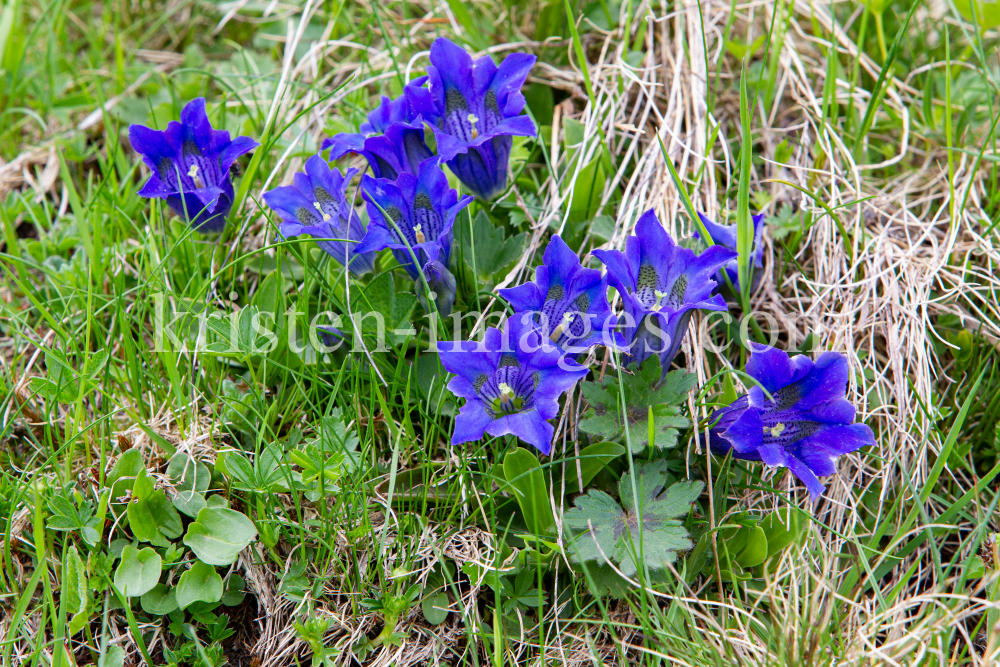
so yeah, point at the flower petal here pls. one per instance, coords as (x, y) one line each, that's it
(746, 433)
(471, 422)
(529, 426)
(774, 369)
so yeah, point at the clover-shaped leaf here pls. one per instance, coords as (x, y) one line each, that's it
(646, 530)
(645, 396)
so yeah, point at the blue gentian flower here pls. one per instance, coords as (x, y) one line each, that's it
(569, 302)
(661, 285)
(421, 212)
(190, 162)
(317, 204)
(807, 425)
(512, 382)
(391, 140)
(400, 149)
(473, 108)
(725, 235)
(388, 112)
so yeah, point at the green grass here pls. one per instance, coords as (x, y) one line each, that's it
(894, 265)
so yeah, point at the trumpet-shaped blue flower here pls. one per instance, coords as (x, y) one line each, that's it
(474, 110)
(512, 382)
(316, 204)
(415, 212)
(725, 235)
(190, 162)
(400, 149)
(805, 425)
(569, 302)
(661, 285)
(391, 140)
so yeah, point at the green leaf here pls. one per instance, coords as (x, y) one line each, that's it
(781, 528)
(755, 551)
(593, 459)
(94, 364)
(201, 583)
(159, 600)
(587, 191)
(541, 101)
(66, 516)
(473, 34)
(188, 474)
(601, 526)
(976, 568)
(524, 474)
(151, 516)
(235, 590)
(115, 657)
(982, 12)
(486, 249)
(219, 534)
(604, 418)
(270, 296)
(189, 503)
(435, 608)
(217, 501)
(138, 572)
(234, 465)
(122, 475)
(75, 589)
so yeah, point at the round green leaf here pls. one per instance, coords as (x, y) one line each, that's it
(138, 572)
(217, 501)
(235, 590)
(159, 601)
(189, 502)
(435, 608)
(219, 534)
(115, 657)
(188, 474)
(975, 568)
(199, 584)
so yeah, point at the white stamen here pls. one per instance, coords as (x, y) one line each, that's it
(193, 173)
(558, 331)
(505, 389)
(419, 234)
(775, 430)
(473, 120)
(326, 216)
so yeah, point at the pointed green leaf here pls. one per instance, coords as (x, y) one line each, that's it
(524, 474)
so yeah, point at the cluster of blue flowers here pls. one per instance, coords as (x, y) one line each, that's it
(798, 417)
(474, 110)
